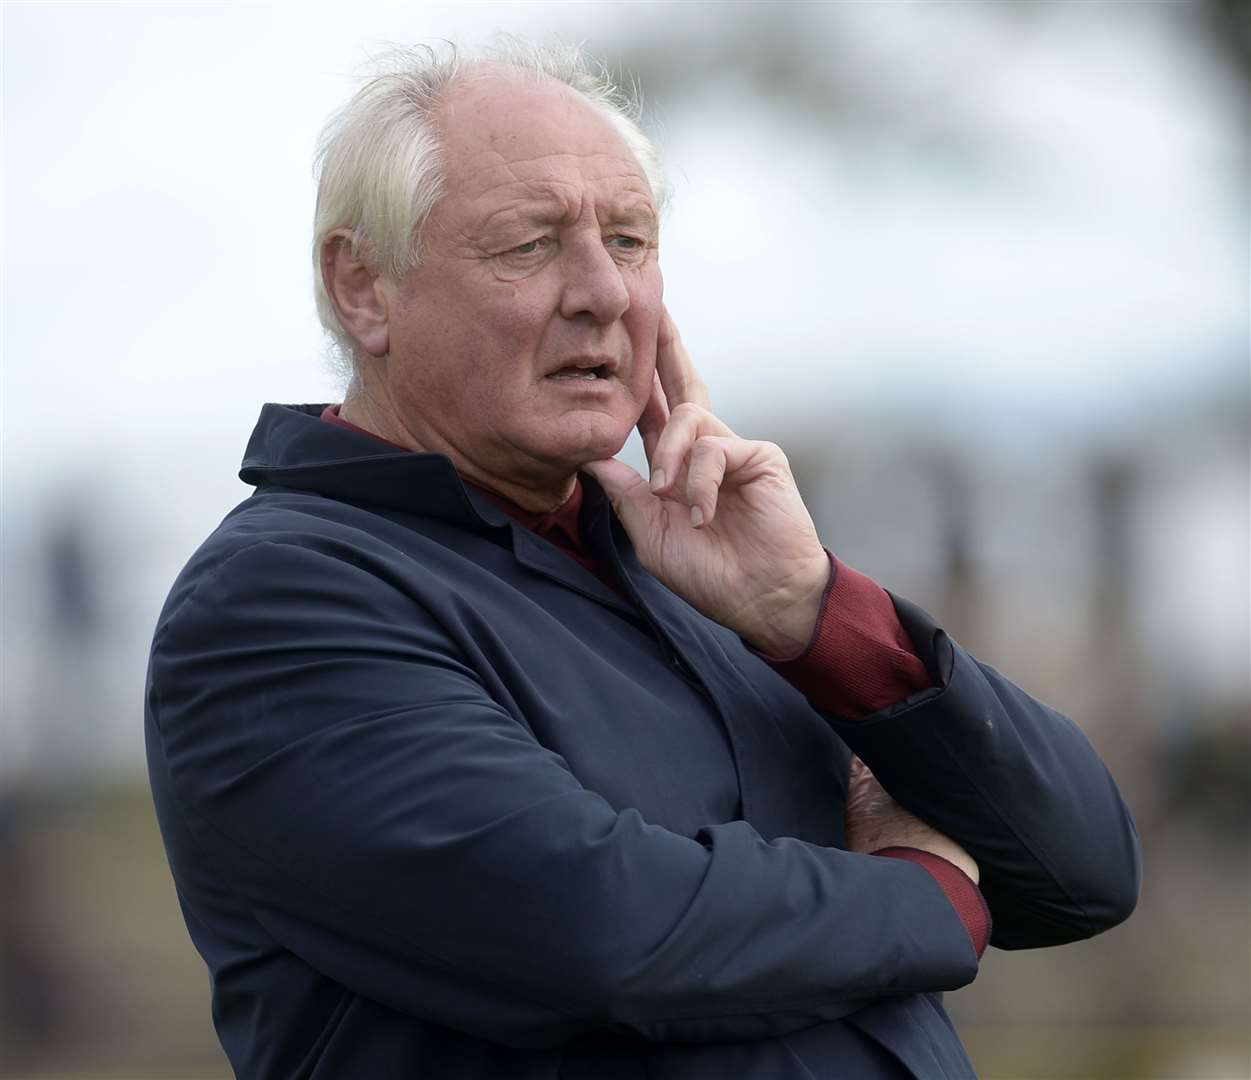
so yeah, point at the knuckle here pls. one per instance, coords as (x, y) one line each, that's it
(701, 490)
(777, 455)
(708, 455)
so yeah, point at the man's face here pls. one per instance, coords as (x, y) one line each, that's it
(526, 339)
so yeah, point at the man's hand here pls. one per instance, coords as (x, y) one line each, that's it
(874, 821)
(721, 523)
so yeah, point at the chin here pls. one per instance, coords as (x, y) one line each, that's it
(592, 441)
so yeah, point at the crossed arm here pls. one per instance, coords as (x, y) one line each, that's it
(347, 775)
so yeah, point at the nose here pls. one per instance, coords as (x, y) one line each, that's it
(593, 284)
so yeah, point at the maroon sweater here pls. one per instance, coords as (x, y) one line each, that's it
(858, 661)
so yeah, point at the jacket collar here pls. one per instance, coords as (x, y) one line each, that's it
(292, 447)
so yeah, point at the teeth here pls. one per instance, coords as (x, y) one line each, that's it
(588, 373)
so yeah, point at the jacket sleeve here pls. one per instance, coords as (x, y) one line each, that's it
(1016, 784)
(345, 773)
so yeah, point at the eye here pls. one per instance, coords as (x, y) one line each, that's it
(625, 249)
(531, 247)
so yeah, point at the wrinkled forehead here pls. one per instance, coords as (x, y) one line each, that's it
(503, 130)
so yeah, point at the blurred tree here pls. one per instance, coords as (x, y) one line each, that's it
(1229, 23)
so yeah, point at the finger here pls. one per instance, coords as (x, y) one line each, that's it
(686, 424)
(704, 474)
(859, 773)
(678, 376)
(713, 459)
(629, 494)
(655, 417)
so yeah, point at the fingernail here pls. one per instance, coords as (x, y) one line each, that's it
(697, 516)
(658, 479)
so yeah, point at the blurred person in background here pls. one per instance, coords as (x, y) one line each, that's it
(476, 754)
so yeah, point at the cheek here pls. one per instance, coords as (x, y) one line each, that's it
(643, 320)
(647, 289)
(517, 311)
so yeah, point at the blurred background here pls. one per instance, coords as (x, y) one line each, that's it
(981, 268)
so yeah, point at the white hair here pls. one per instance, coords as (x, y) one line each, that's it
(379, 162)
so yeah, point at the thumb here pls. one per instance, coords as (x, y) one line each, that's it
(627, 491)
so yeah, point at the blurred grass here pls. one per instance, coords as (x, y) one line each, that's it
(130, 996)
(1103, 1053)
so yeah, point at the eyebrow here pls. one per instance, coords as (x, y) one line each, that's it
(552, 209)
(638, 212)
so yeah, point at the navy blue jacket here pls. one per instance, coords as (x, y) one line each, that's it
(439, 803)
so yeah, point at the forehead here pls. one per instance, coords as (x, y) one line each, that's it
(507, 137)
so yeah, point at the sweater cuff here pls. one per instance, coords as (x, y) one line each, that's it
(860, 659)
(964, 895)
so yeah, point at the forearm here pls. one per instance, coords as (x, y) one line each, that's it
(1014, 783)
(588, 920)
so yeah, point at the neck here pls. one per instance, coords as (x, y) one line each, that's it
(538, 493)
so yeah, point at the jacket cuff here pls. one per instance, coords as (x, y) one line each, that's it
(964, 895)
(860, 659)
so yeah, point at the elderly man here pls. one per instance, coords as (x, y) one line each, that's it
(478, 755)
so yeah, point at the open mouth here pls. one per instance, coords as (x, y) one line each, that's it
(600, 372)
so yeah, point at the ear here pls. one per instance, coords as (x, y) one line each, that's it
(356, 292)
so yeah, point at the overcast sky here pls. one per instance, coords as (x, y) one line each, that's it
(158, 195)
